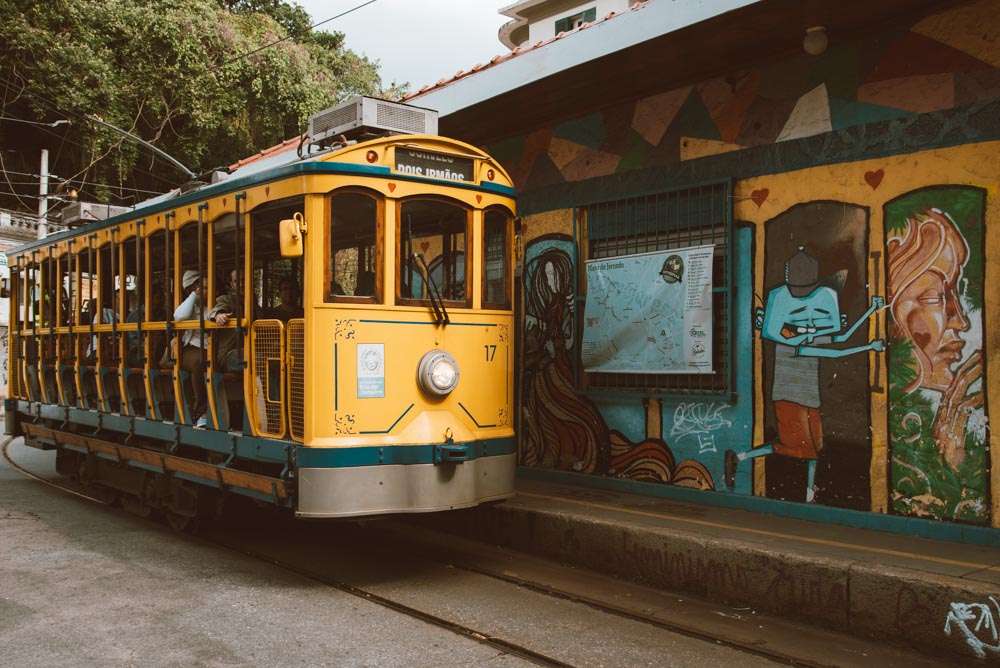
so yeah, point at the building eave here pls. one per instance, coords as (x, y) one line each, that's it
(654, 47)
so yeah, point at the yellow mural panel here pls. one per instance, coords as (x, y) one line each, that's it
(873, 184)
(692, 148)
(960, 28)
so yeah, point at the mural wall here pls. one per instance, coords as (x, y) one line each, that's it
(866, 197)
(561, 428)
(937, 412)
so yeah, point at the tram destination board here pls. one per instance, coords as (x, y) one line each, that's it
(434, 165)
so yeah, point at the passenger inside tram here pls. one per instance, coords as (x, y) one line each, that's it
(229, 344)
(156, 313)
(287, 307)
(192, 351)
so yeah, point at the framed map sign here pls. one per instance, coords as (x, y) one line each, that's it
(649, 313)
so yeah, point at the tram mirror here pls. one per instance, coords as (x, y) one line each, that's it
(290, 236)
(4, 288)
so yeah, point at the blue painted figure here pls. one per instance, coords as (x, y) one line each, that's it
(802, 318)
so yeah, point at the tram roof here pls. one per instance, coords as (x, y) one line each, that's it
(277, 162)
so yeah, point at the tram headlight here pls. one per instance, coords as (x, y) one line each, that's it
(437, 373)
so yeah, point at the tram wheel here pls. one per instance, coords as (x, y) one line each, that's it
(178, 522)
(86, 474)
(146, 503)
(182, 506)
(105, 495)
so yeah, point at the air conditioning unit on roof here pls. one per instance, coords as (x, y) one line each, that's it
(368, 115)
(80, 213)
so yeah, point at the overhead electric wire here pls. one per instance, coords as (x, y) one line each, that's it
(42, 99)
(71, 182)
(21, 120)
(24, 89)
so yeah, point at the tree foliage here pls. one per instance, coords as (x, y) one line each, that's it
(207, 81)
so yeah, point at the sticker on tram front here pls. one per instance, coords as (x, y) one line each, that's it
(371, 370)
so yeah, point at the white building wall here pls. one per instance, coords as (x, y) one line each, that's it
(546, 28)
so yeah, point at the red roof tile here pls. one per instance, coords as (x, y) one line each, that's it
(283, 146)
(496, 60)
(519, 50)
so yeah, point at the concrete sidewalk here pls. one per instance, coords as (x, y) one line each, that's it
(940, 597)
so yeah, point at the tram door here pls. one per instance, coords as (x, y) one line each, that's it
(276, 356)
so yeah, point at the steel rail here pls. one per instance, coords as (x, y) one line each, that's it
(499, 644)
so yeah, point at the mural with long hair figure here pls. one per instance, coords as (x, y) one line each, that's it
(560, 427)
(937, 413)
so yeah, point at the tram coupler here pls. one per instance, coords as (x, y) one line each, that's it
(450, 453)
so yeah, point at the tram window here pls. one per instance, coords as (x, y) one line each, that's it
(34, 296)
(64, 278)
(268, 267)
(496, 259)
(130, 259)
(432, 245)
(106, 288)
(131, 250)
(87, 267)
(354, 266)
(161, 270)
(48, 298)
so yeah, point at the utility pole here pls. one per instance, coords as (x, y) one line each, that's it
(43, 194)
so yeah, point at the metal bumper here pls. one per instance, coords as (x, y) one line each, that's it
(409, 488)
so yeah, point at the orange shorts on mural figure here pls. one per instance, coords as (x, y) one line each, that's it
(800, 430)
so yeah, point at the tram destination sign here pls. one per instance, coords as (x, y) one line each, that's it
(434, 165)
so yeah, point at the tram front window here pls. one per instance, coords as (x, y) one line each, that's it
(496, 258)
(432, 248)
(353, 250)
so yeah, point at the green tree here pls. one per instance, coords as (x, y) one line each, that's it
(207, 81)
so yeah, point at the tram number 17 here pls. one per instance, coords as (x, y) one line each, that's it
(491, 351)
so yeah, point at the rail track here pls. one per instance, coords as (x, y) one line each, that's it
(462, 555)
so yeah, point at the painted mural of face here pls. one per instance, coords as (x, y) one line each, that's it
(925, 264)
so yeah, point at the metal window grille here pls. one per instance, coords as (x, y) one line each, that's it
(676, 219)
(296, 333)
(16, 373)
(268, 375)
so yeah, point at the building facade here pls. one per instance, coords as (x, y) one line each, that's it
(537, 20)
(755, 271)
(15, 229)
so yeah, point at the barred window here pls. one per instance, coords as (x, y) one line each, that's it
(677, 219)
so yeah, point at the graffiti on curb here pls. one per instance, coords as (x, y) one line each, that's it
(983, 635)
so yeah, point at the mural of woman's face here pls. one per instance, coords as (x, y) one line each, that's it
(929, 312)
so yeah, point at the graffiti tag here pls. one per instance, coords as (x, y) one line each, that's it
(699, 418)
(964, 614)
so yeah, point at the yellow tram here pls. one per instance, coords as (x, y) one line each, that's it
(327, 328)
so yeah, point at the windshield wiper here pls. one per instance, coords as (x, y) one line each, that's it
(437, 301)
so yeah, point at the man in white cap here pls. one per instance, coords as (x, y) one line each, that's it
(193, 342)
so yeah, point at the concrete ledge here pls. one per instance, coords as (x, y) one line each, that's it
(906, 606)
(854, 593)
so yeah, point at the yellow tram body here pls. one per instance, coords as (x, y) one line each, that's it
(389, 389)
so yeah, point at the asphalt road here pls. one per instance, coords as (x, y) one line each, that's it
(83, 584)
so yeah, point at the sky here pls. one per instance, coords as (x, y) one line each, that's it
(416, 41)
